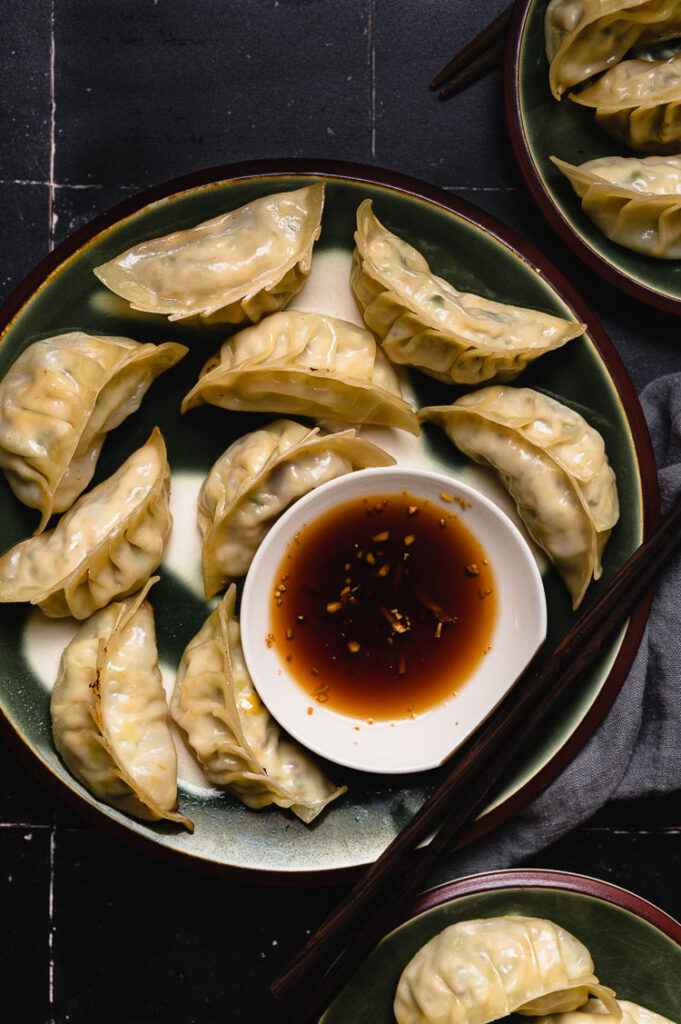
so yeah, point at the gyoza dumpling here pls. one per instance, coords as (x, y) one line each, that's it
(638, 102)
(306, 364)
(477, 971)
(584, 37)
(552, 463)
(58, 401)
(594, 1012)
(110, 716)
(635, 201)
(258, 477)
(236, 740)
(423, 321)
(106, 546)
(233, 268)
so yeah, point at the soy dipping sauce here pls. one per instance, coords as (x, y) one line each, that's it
(384, 606)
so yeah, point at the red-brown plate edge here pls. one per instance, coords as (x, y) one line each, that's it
(545, 878)
(646, 461)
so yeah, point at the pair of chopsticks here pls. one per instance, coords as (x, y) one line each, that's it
(373, 906)
(475, 60)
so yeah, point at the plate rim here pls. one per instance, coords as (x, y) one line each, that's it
(545, 878)
(527, 253)
(542, 197)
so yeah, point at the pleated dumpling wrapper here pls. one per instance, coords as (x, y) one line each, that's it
(305, 364)
(594, 1012)
(230, 269)
(106, 546)
(59, 400)
(477, 971)
(635, 201)
(234, 737)
(584, 37)
(638, 102)
(423, 321)
(552, 463)
(110, 716)
(257, 478)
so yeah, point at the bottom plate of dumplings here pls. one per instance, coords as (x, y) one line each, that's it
(584, 952)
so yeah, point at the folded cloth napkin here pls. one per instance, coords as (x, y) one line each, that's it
(635, 752)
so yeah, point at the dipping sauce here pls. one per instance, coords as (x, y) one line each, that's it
(384, 606)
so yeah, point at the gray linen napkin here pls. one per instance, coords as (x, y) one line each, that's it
(636, 751)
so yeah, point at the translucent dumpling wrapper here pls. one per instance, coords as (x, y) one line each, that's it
(635, 201)
(423, 321)
(553, 464)
(105, 547)
(305, 364)
(584, 37)
(638, 102)
(477, 971)
(59, 400)
(230, 269)
(257, 478)
(110, 716)
(594, 1012)
(234, 737)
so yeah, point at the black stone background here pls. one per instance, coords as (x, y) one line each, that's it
(97, 101)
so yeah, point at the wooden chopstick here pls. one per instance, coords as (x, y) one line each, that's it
(476, 70)
(375, 902)
(482, 53)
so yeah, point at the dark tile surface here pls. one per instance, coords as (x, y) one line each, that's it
(25, 900)
(141, 91)
(198, 949)
(22, 798)
(164, 89)
(462, 142)
(24, 235)
(25, 86)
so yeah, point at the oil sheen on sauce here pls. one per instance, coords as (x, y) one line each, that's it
(384, 606)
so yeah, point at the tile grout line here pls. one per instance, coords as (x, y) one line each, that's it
(138, 188)
(22, 825)
(371, 53)
(67, 184)
(53, 110)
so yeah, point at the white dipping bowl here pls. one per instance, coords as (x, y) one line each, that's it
(403, 744)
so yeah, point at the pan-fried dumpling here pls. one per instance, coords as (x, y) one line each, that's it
(106, 546)
(306, 364)
(59, 400)
(552, 463)
(635, 201)
(594, 1012)
(638, 102)
(110, 716)
(584, 37)
(477, 971)
(236, 267)
(258, 477)
(423, 321)
(236, 740)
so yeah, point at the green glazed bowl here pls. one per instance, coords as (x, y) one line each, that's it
(477, 254)
(541, 127)
(636, 947)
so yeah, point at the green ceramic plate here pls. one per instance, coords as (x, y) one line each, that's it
(541, 127)
(635, 946)
(463, 244)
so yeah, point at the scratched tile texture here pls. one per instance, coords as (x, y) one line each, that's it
(100, 100)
